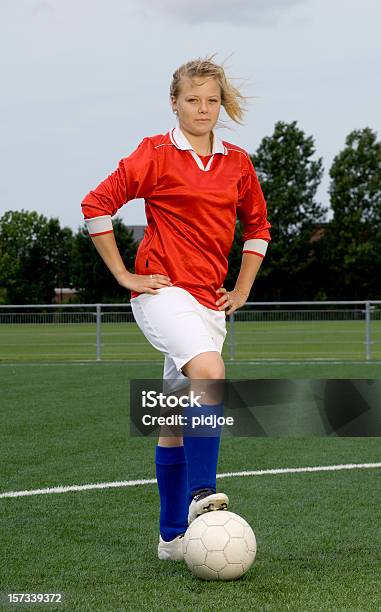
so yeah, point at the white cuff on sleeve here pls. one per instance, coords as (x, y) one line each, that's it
(256, 246)
(99, 225)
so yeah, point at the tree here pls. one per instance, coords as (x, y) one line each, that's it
(90, 275)
(352, 243)
(289, 178)
(34, 256)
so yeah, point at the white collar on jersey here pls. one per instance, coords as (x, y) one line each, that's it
(181, 142)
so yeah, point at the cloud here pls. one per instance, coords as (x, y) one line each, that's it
(237, 12)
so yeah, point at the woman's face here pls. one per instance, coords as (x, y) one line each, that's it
(198, 105)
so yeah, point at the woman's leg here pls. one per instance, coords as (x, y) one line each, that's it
(187, 466)
(175, 324)
(171, 474)
(207, 373)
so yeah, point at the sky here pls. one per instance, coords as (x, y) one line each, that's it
(84, 81)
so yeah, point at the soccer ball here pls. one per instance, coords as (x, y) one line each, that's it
(219, 545)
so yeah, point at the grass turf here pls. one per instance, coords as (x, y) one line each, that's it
(282, 340)
(317, 548)
(318, 542)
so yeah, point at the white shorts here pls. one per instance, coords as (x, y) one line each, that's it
(176, 324)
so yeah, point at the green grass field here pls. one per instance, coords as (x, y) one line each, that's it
(303, 340)
(68, 424)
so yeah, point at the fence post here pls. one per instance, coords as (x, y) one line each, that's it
(368, 339)
(99, 321)
(231, 337)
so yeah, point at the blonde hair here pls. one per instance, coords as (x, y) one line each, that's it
(233, 101)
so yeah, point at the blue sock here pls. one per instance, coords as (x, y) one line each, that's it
(201, 449)
(171, 473)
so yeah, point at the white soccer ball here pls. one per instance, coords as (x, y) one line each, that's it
(219, 545)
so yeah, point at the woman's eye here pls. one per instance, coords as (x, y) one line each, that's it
(195, 100)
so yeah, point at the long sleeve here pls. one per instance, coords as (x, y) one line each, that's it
(252, 211)
(135, 177)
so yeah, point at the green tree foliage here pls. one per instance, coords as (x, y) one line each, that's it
(308, 257)
(90, 275)
(352, 252)
(289, 177)
(34, 257)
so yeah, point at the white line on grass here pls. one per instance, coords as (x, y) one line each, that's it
(234, 362)
(134, 483)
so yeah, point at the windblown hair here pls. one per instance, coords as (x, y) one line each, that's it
(233, 101)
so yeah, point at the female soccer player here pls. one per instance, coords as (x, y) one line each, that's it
(194, 186)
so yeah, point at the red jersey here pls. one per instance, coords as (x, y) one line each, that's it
(191, 209)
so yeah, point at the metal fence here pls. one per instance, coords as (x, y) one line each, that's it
(349, 330)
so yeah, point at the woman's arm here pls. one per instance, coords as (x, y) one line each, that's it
(250, 265)
(142, 283)
(231, 300)
(252, 212)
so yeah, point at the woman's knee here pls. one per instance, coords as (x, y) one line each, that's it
(205, 366)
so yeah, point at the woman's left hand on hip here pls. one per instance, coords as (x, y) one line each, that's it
(230, 300)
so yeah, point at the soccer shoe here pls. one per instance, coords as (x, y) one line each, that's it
(206, 500)
(171, 551)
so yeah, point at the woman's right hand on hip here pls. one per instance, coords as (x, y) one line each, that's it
(144, 283)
